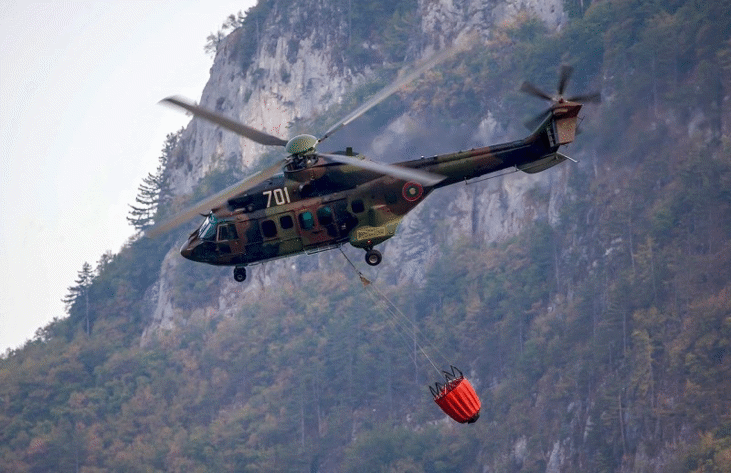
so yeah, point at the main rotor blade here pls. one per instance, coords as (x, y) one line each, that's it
(531, 89)
(227, 123)
(399, 172)
(214, 201)
(563, 78)
(595, 97)
(389, 90)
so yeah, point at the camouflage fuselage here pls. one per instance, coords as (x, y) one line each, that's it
(327, 204)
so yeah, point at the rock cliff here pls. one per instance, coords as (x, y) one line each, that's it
(296, 70)
(589, 305)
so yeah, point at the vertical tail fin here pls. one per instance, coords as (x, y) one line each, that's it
(557, 128)
(564, 121)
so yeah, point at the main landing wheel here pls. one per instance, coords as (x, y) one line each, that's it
(373, 257)
(240, 274)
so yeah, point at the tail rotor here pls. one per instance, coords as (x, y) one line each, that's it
(565, 73)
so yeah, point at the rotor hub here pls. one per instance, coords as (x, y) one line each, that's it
(301, 144)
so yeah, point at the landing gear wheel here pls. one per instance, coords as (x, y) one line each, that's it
(373, 257)
(240, 274)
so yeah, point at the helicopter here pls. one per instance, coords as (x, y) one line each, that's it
(313, 201)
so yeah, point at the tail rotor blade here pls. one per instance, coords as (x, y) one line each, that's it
(565, 73)
(595, 97)
(564, 77)
(531, 89)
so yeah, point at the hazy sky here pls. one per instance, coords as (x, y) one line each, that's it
(79, 128)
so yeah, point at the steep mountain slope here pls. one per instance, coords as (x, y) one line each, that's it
(310, 59)
(590, 305)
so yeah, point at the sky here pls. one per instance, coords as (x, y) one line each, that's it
(80, 127)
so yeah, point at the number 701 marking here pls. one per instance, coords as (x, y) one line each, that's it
(281, 196)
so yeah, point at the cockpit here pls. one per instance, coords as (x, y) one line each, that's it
(207, 230)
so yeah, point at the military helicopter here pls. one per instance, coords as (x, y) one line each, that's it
(313, 201)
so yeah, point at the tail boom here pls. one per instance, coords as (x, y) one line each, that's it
(535, 153)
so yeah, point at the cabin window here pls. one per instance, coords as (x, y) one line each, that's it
(286, 222)
(269, 228)
(325, 215)
(227, 232)
(357, 206)
(307, 220)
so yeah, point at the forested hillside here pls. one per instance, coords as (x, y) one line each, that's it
(597, 341)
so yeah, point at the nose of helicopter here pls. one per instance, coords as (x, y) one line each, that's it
(198, 250)
(187, 249)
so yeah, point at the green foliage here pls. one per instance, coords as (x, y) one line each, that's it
(398, 34)
(153, 192)
(78, 296)
(387, 449)
(248, 29)
(380, 30)
(576, 8)
(606, 334)
(214, 40)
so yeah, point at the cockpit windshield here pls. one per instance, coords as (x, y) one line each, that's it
(207, 231)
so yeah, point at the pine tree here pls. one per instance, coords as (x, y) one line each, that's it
(153, 191)
(80, 292)
(214, 40)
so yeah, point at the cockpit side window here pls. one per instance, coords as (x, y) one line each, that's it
(227, 232)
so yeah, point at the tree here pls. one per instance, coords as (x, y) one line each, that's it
(153, 190)
(214, 40)
(81, 292)
(104, 261)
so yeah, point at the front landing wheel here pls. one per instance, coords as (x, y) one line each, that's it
(240, 274)
(373, 257)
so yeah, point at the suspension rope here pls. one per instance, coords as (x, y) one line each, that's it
(396, 328)
(402, 326)
(405, 321)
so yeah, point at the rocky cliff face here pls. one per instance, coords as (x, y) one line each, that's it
(595, 333)
(442, 20)
(296, 69)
